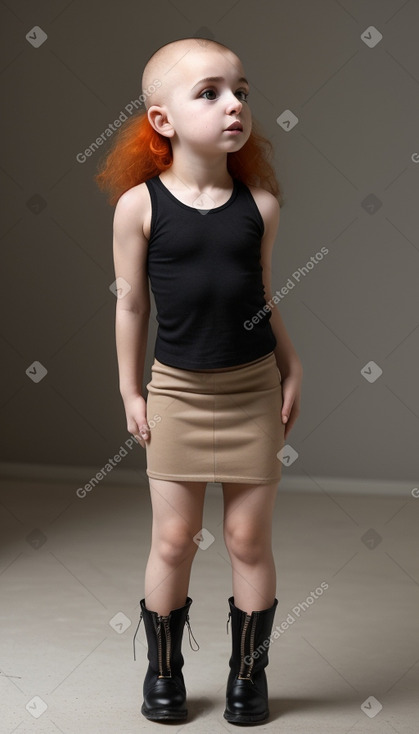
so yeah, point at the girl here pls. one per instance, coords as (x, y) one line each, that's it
(197, 213)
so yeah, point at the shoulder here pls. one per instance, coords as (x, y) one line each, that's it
(132, 210)
(267, 204)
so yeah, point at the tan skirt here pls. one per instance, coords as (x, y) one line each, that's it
(215, 425)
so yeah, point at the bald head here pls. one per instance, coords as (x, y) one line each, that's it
(169, 61)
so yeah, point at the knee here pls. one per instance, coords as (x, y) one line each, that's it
(174, 545)
(246, 544)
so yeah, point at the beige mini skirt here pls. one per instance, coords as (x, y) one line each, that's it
(215, 425)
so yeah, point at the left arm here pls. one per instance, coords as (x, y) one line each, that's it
(286, 356)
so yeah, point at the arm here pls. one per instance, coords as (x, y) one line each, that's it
(286, 356)
(132, 308)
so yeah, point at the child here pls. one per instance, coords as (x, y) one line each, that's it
(197, 213)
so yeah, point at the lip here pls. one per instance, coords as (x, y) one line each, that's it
(235, 126)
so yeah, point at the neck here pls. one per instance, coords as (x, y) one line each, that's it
(197, 172)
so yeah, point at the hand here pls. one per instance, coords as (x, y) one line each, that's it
(136, 413)
(291, 380)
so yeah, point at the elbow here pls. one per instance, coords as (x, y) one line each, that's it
(142, 310)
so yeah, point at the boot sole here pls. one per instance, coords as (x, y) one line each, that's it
(245, 718)
(163, 714)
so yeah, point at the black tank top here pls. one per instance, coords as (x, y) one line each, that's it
(206, 279)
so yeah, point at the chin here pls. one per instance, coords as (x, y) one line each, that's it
(237, 144)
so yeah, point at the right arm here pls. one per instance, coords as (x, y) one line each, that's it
(130, 248)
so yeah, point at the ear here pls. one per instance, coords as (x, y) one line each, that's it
(157, 115)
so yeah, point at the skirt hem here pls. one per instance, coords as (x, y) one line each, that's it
(212, 479)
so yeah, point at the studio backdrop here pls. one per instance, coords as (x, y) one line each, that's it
(335, 86)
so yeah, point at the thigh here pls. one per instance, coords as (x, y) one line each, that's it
(249, 507)
(177, 504)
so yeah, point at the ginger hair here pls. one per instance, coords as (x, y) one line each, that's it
(139, 153)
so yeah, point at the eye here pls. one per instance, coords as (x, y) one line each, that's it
(244, 95)
(208, 91)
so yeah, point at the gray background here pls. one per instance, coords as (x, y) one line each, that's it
(356, 137)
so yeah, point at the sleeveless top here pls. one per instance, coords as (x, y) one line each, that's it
(206, 279)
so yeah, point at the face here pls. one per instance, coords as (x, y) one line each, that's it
(206, 94)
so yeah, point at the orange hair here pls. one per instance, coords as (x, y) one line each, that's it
(139, 153)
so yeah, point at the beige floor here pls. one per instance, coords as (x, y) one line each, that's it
(71, 576)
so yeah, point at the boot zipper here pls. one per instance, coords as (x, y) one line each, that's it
(242, 644)
(157, 626)
(189, 630)
(168, 641)
(252, 643)
(163, 622)
(249, 619)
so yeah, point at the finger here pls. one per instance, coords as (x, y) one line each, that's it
(143, 435)
(145, 431)
(288, 410)
(139, 440)
(293, 417)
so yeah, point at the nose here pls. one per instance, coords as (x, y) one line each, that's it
(234, 106)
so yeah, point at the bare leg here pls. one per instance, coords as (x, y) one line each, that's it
(248, 511)
(177, 517)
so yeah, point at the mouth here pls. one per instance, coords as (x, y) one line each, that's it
(235, 126)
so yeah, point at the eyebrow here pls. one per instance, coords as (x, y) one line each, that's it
(217, 79)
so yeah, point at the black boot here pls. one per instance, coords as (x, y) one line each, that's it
(247, 688)
(164, 688)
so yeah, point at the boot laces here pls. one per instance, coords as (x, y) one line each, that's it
(135, 635)
(195, 649)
